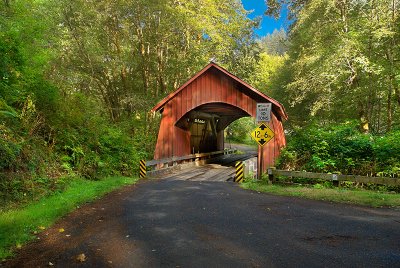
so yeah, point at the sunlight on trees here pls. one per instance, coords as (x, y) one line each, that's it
(343, 61)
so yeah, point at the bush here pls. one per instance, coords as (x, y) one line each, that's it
(49, 130)
(387, 153)
(342, 148)
(9, 151)
(46, 141)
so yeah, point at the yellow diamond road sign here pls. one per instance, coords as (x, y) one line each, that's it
(262, 134)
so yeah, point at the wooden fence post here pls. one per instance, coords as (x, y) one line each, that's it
(335, 180)
(271, 177)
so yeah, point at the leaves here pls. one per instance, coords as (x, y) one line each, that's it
(342, 148)
(342, 63)
(77, 79)
(134, 53)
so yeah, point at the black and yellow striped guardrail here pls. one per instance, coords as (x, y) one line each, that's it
(239, 171)
(142, 172)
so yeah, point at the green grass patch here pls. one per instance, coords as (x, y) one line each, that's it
(17, 226)
(341, 195)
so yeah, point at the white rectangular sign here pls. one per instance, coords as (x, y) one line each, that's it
(263, 112)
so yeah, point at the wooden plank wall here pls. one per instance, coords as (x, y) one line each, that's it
(210, 87)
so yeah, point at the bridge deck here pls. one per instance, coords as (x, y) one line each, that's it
(220, 168)
(208, 172)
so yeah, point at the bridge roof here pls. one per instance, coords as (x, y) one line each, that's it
(244, 87)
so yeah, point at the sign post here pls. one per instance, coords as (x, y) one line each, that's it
(261, 165)
(263, 115)
(262, 135)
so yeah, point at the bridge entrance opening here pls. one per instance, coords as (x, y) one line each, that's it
(207, 123)
(203, 136)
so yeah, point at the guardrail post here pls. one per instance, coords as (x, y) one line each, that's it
(239, 171)
(142, 172)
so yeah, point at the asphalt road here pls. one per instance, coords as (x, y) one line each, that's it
(175, 223)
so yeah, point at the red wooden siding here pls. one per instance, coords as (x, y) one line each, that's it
(214, 85)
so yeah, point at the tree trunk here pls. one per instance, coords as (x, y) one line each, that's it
(397, 92)
(160, 69)
(142, 53)
(389, 109)
(364, 121)
(391, 78)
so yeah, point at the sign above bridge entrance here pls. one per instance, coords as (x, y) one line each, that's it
(262, 134)
(263, 112)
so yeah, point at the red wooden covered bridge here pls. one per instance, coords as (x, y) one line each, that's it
(195, 115)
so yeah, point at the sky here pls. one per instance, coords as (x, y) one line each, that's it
(268, 24)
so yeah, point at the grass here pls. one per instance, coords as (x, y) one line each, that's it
(340, 195)
(18, 226)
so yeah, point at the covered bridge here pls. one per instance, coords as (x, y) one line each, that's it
(195, 115)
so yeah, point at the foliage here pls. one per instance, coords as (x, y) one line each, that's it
(93, 147)
(276, 44)
(293, 6)
(387, 152)
(239, 131)
(343, 63)
(342, 148)
(267, 67)
(77, 80)
(130, 54)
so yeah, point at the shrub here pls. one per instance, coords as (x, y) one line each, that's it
(342, 148)
(9, 152)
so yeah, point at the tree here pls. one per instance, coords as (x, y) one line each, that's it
(129, 54)
(343, 59)
(275, 6)
(276, 43)
(267, 68)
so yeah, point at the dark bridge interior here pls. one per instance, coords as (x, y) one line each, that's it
(207, 123)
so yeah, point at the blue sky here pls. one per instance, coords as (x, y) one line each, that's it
(268, 25)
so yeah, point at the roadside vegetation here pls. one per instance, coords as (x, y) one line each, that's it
(341, 148)
(22, 224)
(348, 194)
